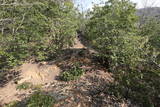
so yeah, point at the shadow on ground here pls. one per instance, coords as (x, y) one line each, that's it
(7, 76)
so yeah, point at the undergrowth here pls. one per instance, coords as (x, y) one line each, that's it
(28, 85)
(38, 99)
(12, 104)
(140, 87)
(72, 74)
(24, 86)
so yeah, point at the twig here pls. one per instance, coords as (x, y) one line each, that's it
(21, 22)
(7, 19)
(158, 65)
(20, 4)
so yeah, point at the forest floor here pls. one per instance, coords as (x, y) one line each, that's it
(87, 91)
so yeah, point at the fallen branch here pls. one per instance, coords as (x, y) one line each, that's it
(20, 4)
(155, 63)
(21, 22)
(7, 19)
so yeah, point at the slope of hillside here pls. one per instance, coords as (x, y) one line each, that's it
(51, 55)
(87, 91)
(150, 11)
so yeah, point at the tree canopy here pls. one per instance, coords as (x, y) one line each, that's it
(36, 28)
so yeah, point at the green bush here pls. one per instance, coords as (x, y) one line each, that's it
(151, 30)
(24, 86)
(39, 99)
(35, 28)
(72, 74)
(112, 31)
(12, 104)
(141, 88)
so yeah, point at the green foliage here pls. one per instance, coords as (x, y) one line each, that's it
(140, 87)
(39, 99)
(28, 85)
(35, 29)
(151, 30)
(12, 104)
(72, 74)
(112, 31)
(24, 86)
(2, 74)
(82, 20)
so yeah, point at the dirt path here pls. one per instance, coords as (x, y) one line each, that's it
(78, 44)
(35, 73)
(83, 92)
(9, 93)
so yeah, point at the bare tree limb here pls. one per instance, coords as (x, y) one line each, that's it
(7, 19)
(21, 22)
(20, 4)
(2, 30)
(155, 63)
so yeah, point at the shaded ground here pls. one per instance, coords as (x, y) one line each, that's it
(5, 77)
(9, 93)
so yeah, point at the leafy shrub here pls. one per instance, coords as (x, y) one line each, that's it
(140, 87)
(151, 30)
(72, 74)
(12, 104)
(24, 86)
(111, 30)
(28, 85)
(35, 29)
(40, 99)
